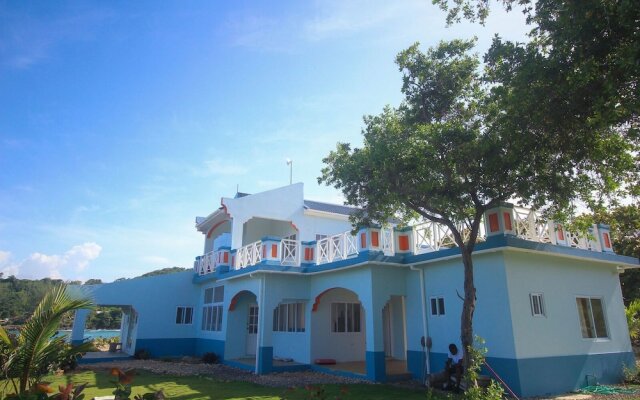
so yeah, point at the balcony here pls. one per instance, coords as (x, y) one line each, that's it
(419, 239)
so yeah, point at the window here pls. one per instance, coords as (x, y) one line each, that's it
(591, 315)
(437, 306)
(184, 315)
(320, 236)
(212, 310)
(345, 317)
(288, 318)
(537, 304)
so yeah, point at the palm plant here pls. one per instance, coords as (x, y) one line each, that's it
(35, 351)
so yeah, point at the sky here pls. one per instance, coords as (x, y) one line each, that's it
(120, 122)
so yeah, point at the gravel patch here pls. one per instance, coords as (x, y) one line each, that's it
(226, 373)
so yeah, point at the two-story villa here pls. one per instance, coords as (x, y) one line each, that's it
(283, 284)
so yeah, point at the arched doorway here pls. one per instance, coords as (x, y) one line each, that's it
(242, 328)
(338, 331)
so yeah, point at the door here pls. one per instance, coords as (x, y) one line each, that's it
(386, 328)
(252, 329)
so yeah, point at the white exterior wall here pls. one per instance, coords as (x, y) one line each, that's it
(326, 225)
(283, 204)
(561, 280)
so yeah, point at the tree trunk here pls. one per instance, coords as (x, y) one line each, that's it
(468, 308)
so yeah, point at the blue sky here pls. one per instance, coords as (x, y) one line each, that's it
(122, 121)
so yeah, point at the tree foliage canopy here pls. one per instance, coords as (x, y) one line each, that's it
(574, 86)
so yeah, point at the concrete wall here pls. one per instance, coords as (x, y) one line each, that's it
(561, 280)
(257, 228)
(288, 289)
(339, 346)
(492, 319)
(155, 300)
(283, 204)
(330, 225)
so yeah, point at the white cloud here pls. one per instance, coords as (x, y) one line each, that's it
(56, 266)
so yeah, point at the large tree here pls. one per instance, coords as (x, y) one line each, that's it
(574, 85)
(447, 154)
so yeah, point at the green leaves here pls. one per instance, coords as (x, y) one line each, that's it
(36, 351)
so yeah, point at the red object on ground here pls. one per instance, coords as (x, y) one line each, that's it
(324, 361)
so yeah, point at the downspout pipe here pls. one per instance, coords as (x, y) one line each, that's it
(425, 325)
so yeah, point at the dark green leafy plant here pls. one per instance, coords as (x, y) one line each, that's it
(210, 358)
(142, 354)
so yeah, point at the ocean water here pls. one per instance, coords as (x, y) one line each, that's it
(94, 333)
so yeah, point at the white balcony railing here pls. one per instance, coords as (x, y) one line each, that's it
(336, 247)
(207, 263)
(248, 255)
(427, 237)
(290, 252)
(530, 226)
(430, 236)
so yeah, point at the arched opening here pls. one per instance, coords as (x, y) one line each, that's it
(242, 329)
(338, 331)
(256, 228)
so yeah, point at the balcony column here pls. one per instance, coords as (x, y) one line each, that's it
(557, 234)
(271, 251)
(603, 235)
(223, 259)
(403, 240)
(308, 256)
(369, 239)
(500, 220)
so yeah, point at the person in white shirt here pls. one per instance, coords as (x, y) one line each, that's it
(453, 366)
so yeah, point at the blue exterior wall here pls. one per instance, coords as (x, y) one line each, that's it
(526, 352)
(155, 299)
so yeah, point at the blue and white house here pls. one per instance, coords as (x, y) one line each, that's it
(283, 284)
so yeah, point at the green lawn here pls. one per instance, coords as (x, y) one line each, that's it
(195, 387)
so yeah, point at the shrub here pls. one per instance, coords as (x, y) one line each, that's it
(475, 392)
(142, 354)
(631, 375)
(210, 358)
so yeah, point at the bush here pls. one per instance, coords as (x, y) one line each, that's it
(475, 392)
(142, 354)
(210, 358)
(631, 375)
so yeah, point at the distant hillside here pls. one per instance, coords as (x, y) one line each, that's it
(19, 297)
(163, 271)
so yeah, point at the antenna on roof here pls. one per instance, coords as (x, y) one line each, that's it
(290, 164)
(237, 188)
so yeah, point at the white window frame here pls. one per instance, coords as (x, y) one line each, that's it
(440, 306)
(540, 297)
(592, 321)
(289, 318)
(212, 311)
(334, 327)
(184, 315)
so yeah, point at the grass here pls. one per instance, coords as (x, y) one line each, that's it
(197, 387)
